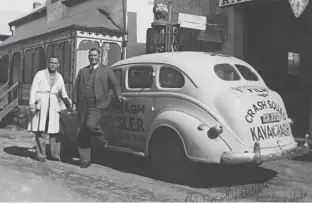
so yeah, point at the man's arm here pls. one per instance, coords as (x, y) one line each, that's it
(114, 81)
(64, 95)
(33, 90)
(76, 85)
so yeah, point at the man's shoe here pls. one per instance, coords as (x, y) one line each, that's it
(41, 159)
(85, 165)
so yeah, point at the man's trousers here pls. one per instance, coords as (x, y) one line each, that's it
(90, 127)
(55, 145)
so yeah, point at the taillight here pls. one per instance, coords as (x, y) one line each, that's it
(214, 131)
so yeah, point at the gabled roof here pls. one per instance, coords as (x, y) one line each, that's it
(88, 20)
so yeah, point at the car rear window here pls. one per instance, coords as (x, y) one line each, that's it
(226, 72)
(246, 72)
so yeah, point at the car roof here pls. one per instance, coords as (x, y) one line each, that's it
(170, 57)
(191, 62)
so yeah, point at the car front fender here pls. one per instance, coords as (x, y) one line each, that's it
(197, 145)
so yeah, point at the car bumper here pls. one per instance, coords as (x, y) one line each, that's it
(257, 157)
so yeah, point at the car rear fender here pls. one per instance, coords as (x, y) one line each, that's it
(196, 143)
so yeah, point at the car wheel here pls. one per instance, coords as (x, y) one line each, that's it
(168, 159)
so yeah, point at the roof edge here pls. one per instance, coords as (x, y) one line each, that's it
(38, 12)
(75, 26)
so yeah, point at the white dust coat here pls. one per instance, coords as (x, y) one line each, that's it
(49, 98)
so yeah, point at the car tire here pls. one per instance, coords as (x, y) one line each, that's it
(168, 159)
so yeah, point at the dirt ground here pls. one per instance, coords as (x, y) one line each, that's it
(122, 177)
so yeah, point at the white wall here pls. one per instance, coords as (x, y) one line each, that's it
(144, 17)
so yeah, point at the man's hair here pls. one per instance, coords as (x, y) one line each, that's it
(95, 49)
(55, 57)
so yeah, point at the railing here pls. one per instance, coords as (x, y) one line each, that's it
(4, 87)
(11, 95)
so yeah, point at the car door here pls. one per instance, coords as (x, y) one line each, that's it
(137, 114)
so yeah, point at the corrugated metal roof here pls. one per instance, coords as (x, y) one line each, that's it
(89, 20)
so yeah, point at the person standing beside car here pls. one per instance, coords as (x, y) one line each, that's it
(90, 97)
(47, 98)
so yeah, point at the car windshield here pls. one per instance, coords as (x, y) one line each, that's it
(226, 72)
(246, 73)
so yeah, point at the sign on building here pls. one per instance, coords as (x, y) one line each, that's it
(192, 21)
(231, 2)
(298, 6)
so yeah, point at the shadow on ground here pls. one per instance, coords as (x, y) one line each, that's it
(21, 151)
(206, 176)
(31, 153)
(306, 157)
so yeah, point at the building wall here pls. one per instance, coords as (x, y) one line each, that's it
(233, 43)
(140, 16)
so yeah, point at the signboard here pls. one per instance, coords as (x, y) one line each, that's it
(192, 21)
(298, 6)
(231, 2)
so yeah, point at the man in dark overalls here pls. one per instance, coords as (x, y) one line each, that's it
(91, 96)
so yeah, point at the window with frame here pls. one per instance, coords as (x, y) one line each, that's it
(293, 63)
(226, 72)
(28, 67)
(170, 78)
(140, 77)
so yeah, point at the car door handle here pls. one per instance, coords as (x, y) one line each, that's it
(153, 108)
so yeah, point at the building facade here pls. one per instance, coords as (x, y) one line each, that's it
(67, 29)
(278, 44)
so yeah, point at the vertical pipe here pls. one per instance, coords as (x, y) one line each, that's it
(170, 10)
(125, 37)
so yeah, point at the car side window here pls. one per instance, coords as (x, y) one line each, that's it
(170, 78)
(140, 77)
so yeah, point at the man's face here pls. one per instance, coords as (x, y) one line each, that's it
(94, 57)
(53, 64)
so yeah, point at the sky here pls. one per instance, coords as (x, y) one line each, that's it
(12, 9)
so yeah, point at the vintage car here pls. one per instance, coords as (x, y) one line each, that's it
(197, 107)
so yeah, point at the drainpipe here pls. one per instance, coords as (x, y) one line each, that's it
(125, 34)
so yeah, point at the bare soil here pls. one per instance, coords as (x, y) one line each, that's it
(122, 177)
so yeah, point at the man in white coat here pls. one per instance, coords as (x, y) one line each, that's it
(47, 98)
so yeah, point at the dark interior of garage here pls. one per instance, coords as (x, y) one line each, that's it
(279, 46)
